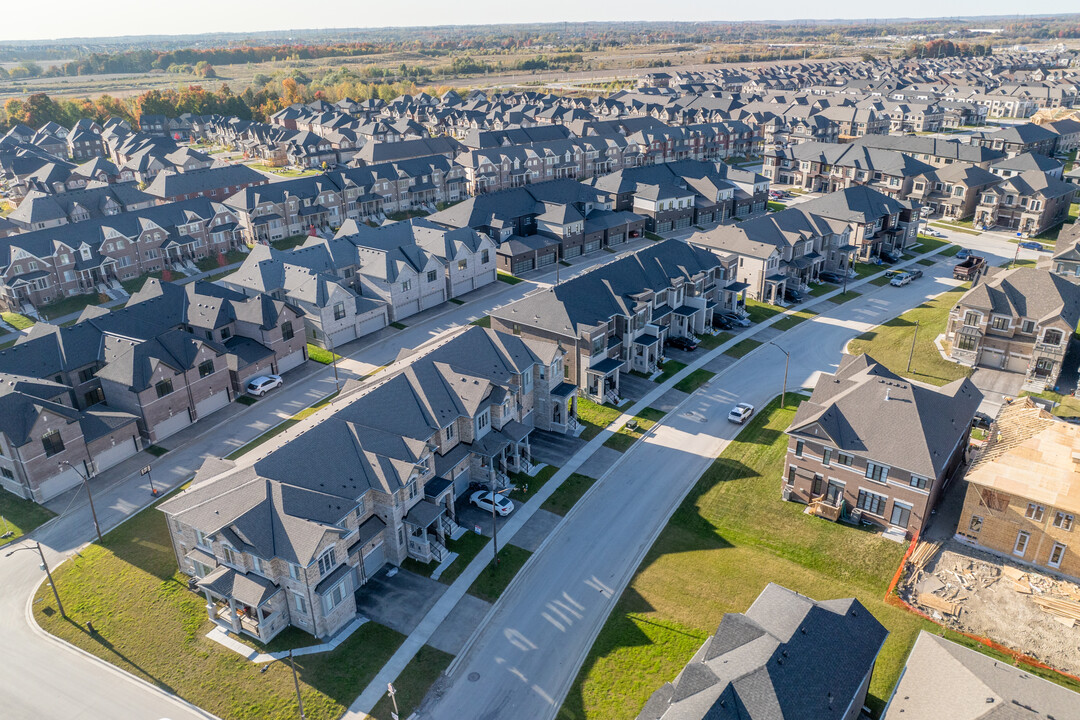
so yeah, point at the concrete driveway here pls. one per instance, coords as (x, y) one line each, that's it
(470, 516)
(553, 448)
(398, 602)
(996, 385)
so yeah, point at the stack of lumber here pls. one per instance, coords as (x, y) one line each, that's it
(940, 604)
(1066, 612)
(922, 554)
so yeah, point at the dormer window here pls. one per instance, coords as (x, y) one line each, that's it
(85, 252)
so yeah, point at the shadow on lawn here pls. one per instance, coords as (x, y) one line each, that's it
(122, 659)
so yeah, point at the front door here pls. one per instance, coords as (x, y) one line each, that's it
(835, 493)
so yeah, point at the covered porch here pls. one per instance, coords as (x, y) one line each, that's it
(602, 381)
(647, 350)
(772, 290)
(244, 602)
(563, 408)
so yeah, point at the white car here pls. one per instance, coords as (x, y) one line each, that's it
(264, 384)
(740, 413)
(483, 500)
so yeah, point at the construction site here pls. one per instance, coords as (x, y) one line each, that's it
(987, 596)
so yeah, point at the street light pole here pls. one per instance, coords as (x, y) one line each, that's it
(787, 359)
(48, 574)
(296, 681)
(89, 496)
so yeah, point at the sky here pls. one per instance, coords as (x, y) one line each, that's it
(75, 18)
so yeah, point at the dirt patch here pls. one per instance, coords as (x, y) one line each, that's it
(977, 593)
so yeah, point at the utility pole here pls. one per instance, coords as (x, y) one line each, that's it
(787, 359)
(333, 361)
(911, 353)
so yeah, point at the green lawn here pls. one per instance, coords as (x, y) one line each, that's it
(19, 516)
(148, 623)
(926, 262)
(493, 580)
(288, 243)
(844, 297)
(398, 326)
(760, 311)
(625, 437)
(17, 320)
(508, 278)
(890, 343)
(482, 322)
(694, 380)
(968, 230)
(880, 281)
(413, 683)
(534, 483)
(711, 342)
(1068, 406)
(321, 355)
(790, 321)
(865, 269)
(457, 301)
(718, 552)
(567, 494)
(776, 206)
(467, 547)
(742, 347)
(821, 288)
(71, 305)
(652, 235)
(929, 244)
(670, 368)
(595, 417)
(951, 251)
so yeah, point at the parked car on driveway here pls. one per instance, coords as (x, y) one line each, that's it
(740, 413)
(964, 254)
(890, 256)
(901, 280)
(831, 277)
(1031, 245)
(484, 500)
(681, 343)
(889, 274)
(792, 295)
(722, 322)
(737, 320)
(931, 232)
(264, 384)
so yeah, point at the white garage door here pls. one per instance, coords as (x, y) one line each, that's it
(215, 402)
(461, 484)
(122, 450)
(1017, 364)
(992, 359)
(463, 286)
(341, 337)
(374, 560)
(485, 278)
(407, 309)
(173, 425)
(430, 301)
(290, 361)
(372, 324)
(57, 484)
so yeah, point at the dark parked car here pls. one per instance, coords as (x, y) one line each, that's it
(681, 343)
(792, 295)
(915, 273)
(722, 321)
(981, 420)
(890, 256)
(735, 320)
(1031, 245)
(964, 254)
(831, 277)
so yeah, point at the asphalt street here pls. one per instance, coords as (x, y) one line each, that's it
(527, 654)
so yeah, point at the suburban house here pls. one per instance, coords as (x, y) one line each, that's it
(278, 541)
(877, 222)
(217, 183)
(943, 679)
(870, 446)
(952, 191)
(39, 210)
(1030, 203)
(616, 317)
(41, 431)
(1066, 258)
(334, 312)
(827, 167)
(1023, 490)
(1016, 140)
(935, 151)
(1020, 320)
(787, 656)
(804, 246)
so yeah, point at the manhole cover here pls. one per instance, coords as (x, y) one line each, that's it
(474, 676)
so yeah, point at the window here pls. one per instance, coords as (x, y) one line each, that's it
(965, 342)
(1021, 543)
(335, 596)
(52, 442)
(257, 565)
(872, 502)
(482, 420)
(462, 264)
(206, 368)
(226, 333)
(299, 603)
(826, 456)
(919, 482)
(1063, 521)
(1034, 512)
(231, 556)
(209, 334)
(7, 473)
(485, 257)
(1052, 337)
(877, 473)
(326, 562)
(86, 375)
(844, 459)
(296, 572)
(164, 387)
(1028, 327)
(287, 332)
(815, 489)
(1000, 323)
(1056, 554)
(450, 431)
(900, 514)
(431, 276)
(971, 319)
(406, 286)
(791, 475)
(201, 539)
(799, 444)
(339, 310)
(975, 525)
(410, 490)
